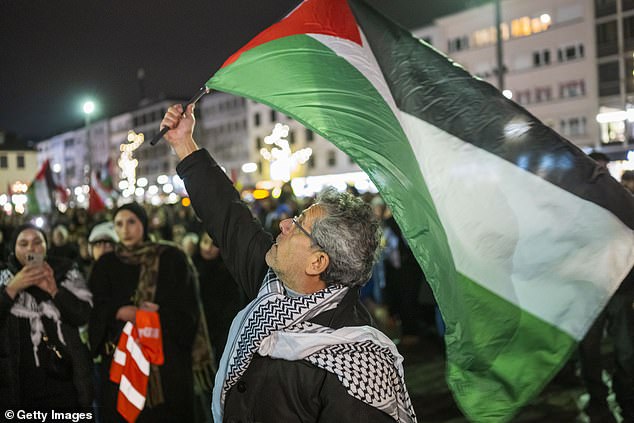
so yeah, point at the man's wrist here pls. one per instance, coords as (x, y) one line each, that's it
(185, 148)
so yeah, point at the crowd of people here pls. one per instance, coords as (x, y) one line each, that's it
(140, 257)
(284, 278)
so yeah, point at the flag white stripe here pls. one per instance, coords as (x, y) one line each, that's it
(532, 243)
(119, 357)
(137, 356)
(131, 394)
(42, 196)
(363, 60)
(127, 329)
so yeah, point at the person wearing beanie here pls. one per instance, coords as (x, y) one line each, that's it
(102, 239)
(141, 274)
(43, 302)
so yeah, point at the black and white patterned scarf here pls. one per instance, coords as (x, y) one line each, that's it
(26, 306)
(364, 360)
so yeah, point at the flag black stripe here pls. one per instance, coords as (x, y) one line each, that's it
(429, 86)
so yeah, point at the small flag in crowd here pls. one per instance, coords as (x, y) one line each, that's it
(101, 189)
(40, 193)
(522, 239)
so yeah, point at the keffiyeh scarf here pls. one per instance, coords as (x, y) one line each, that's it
(364, 360)
(26, 306)
(147, 257)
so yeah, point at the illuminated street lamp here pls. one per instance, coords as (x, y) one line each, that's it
(89, 109)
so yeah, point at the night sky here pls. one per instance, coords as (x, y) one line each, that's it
(55, 54)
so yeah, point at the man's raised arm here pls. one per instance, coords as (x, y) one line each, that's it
(240, 237)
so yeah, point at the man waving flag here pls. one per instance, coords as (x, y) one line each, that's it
(522, 238)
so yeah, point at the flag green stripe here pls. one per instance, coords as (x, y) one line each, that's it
(33, 205)
(503, 363)
(340, 104)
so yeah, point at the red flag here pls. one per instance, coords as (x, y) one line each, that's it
(140, 345)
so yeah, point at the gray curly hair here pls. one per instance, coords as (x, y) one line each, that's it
(349, 233)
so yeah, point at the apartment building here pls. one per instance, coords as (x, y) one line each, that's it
(18, 166)
(549, 58)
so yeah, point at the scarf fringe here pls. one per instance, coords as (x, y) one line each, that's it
(155, 388)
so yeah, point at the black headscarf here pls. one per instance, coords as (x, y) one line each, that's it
(59, 265)
(140, 213)
(14, 264)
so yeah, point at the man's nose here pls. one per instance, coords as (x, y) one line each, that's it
(285, 225)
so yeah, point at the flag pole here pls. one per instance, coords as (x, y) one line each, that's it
(203, 90)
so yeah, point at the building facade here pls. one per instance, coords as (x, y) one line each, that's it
(18, 166)
(549, 58)
(615, 60)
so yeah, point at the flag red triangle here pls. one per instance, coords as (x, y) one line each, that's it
(327, 17)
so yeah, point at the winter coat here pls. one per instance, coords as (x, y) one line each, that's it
(113, 284)
(74, 313)
(271, 390)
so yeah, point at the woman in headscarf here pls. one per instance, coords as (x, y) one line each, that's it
(43, 302)
(141, 274)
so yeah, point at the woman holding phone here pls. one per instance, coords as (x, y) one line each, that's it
(43, 302)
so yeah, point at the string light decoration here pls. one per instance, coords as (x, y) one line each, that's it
(127, 162)
(283, 160)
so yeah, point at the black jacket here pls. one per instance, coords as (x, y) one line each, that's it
(113, 284)
(271, 390)
(74, 313)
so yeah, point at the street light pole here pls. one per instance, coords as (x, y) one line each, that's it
(89, 108)
(498, 47)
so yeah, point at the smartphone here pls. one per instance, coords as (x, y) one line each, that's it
(34, 258)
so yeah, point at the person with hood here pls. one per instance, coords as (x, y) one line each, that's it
(43, 302)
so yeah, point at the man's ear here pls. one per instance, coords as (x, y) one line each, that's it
(318, 263)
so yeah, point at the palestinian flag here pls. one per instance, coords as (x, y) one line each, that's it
(40, 192)
(523, 239)
(101, 189)
(98, 195)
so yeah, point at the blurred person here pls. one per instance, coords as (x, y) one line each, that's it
(102, 240)
(189, 244)
(627, 180)
(178, 233)
(160, 226)
(404, 282)
(43, 302)
(141, 274)
(221, 296)
(3, 246)
(186, 217)
(62, 246)
(601, 159)
(618, 319)
(372, 293)
(286, 351)
(84, 260)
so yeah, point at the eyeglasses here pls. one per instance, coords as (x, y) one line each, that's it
(308, 234)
